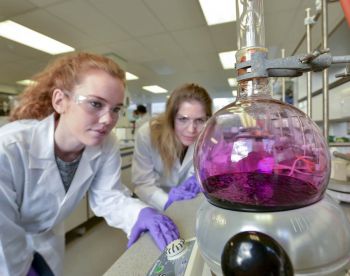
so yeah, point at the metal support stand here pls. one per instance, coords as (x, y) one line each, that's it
(325, 71)
(309, 21)
(283, 81)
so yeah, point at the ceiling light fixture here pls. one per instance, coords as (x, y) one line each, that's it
(21, 34)
(228, 59)
(129, 76)
(218, 11)
(26, 82)
(155, 89)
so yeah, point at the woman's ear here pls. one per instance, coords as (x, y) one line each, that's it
(58, 101)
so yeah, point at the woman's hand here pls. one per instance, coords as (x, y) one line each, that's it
(162, 229)
(186, 190)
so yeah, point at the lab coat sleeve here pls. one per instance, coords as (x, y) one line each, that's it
(144, 177)
(15, 253)
(109, 198)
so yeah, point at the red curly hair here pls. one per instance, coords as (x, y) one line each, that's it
(64, 73)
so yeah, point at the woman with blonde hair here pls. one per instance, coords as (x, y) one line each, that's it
(162, 169)
(59, 147)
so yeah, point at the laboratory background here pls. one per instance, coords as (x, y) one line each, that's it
(162, 44)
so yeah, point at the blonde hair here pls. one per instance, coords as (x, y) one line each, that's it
(64, 73)
(163, 135)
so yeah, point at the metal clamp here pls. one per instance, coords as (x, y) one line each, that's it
(260, 67)
(310, 57)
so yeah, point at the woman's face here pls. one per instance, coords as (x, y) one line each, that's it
(92, 108)
(189, 121)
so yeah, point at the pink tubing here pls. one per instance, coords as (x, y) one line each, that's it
(345, 4)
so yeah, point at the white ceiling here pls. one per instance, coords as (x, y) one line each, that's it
(164, 42)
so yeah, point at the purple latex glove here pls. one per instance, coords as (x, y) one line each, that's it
(162, 229)
(186, 190)
(32, 272)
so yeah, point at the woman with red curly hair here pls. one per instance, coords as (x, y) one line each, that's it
(58, 148)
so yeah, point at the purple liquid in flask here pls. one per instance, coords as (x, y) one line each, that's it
(260, 154)
(250, 191)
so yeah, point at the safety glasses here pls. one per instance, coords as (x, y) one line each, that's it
(96, 106)
(184, 121)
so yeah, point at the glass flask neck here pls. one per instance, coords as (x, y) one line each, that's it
(250, 27)
(251, 39)
(255, 87)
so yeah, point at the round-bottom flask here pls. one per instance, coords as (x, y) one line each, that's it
(259, 154)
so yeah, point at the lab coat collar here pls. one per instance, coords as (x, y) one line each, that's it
(43, 147)
(188, 157)
(42, 143)
(81, 180)
(43, 164)
(42, 156)
(84, 170)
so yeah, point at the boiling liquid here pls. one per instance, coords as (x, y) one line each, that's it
(259, 191)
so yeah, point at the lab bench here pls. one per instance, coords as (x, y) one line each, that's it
(82, 213)
(138, 260)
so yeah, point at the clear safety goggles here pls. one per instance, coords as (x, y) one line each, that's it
(96, 106)
(185, 121)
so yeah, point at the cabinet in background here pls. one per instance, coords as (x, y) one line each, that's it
(78, 216)
(126, 155)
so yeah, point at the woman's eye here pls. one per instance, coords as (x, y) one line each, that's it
(200, 121)
(96, 104)
(183, 119)
(116, 110)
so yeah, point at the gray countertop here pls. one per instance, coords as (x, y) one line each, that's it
(137, 260)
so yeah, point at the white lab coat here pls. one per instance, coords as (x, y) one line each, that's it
(33, 202)
(151, 184)
(144, 119)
